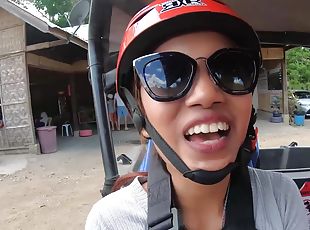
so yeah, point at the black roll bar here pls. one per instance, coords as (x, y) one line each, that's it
(98, 51)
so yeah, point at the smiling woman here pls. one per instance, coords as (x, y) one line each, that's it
(186, 72)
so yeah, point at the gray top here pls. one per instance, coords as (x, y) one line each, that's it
(111, 105)
(276, 199)
(119, 101)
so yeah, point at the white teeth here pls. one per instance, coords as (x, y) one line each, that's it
(191, 131)
(205, 128)
(208, 128)
(213, 128)
(221, 126)
(197, 129)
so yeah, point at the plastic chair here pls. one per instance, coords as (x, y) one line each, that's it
(65, 129)
(44, 118)
(49, 121)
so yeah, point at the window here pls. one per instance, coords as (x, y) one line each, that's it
(275, 80)
(302, 94)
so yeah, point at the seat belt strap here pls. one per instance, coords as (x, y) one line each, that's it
(162, 215)
(239, 208)
(159, 196)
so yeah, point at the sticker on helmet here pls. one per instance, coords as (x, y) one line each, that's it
(172, 4)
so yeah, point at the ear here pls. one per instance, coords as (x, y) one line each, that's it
(144, 134)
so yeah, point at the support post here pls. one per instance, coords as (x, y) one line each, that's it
(74, 105)
(285, 90)
(98, 48)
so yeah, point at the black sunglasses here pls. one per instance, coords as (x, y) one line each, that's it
(168, 76)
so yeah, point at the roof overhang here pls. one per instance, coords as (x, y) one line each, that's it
(282, 22)
(43, 25)
(277, 22)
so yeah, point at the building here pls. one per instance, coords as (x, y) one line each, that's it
(38, 61)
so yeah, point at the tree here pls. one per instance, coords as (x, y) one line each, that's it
(57, 11)
(298, 68)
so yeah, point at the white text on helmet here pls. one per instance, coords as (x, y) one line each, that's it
(169, 5)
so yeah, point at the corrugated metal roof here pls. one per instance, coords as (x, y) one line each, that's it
(81, 33)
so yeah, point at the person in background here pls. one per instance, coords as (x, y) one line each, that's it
(121, 112)
(112, 111)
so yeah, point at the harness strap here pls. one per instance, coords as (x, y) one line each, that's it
(239, 208)
(162, 214)
(159, 197)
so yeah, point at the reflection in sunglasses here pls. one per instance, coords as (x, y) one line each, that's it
(238, 81)
(174, 85)
(155, 81)
(218, 75)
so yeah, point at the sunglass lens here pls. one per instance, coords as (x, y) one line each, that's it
(167, 77)
(234, 71)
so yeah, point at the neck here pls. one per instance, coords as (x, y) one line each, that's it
(201, 205)
(194, 196)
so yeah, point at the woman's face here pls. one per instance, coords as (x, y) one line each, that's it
(204, 107)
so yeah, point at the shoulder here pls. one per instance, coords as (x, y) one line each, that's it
(277, 199)
(270, 178)
(279, 183)
(123, 209)
(274, 185)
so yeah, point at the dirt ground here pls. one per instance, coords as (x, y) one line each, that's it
(56, 191)
(279, 134)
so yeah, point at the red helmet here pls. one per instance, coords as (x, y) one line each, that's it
(163, 19)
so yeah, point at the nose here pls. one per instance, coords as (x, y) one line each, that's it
(204, 92)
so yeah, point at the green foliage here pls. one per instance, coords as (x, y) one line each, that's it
(298, 68)
(294, 106)
(55, 10)
(292, 103)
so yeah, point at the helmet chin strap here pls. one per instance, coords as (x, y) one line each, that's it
(210, 177)
(199, 176)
